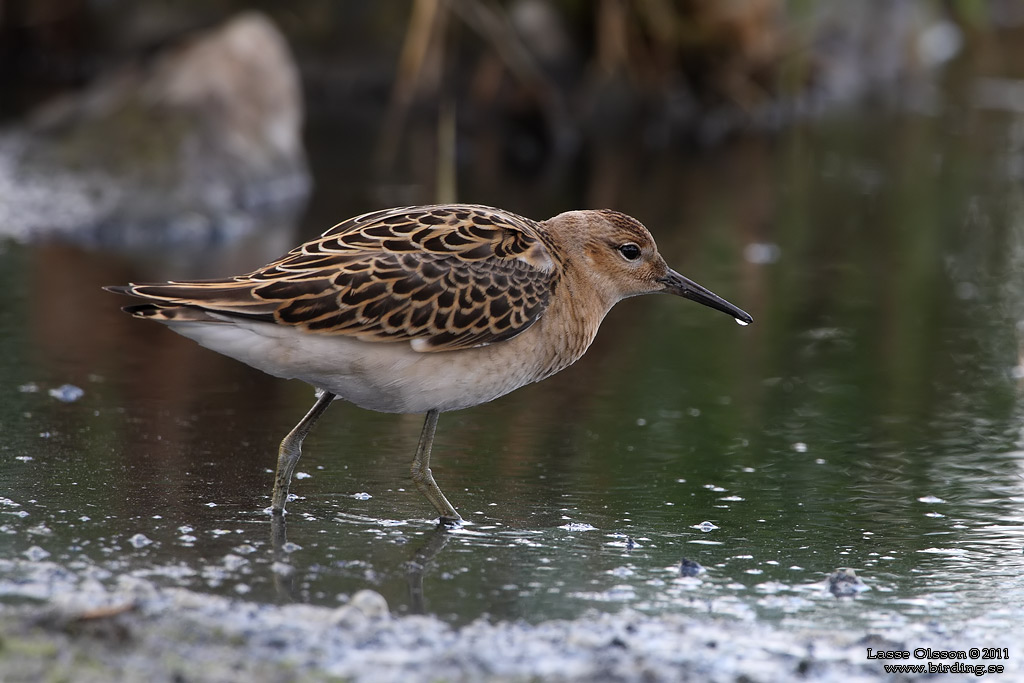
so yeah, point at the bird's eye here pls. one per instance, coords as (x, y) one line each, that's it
(630, 251)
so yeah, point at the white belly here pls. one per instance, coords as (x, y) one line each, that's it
(383, 376)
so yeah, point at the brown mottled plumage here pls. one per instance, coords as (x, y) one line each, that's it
(423, 309)
(448, 277)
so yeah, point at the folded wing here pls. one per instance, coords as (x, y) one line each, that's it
(440, 277)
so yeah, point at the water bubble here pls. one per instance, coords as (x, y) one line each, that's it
(930, 499)
(282, 568)
(362, 496)
(705, 526)
(139, 540)
(67, 393)
(944, 551)
(234, 562)
(35, 553)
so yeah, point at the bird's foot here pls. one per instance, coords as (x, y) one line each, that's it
(446, 522)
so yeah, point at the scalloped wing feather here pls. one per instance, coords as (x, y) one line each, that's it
(440, 277)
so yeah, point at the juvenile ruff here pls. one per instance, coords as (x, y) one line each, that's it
(423, 309)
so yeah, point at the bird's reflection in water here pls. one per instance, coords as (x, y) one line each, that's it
(283, 572)
(416, 566)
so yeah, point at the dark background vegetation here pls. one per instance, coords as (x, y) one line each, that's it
(686, 67)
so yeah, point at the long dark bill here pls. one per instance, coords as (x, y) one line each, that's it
(687, 288)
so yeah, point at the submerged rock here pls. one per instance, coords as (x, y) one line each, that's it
(200, 142)
(844, 583)
(690, 568)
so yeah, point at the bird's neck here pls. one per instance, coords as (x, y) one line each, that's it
(578, 310)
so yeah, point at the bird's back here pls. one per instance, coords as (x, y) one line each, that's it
(441, 277)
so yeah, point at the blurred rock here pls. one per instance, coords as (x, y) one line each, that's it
(200, 143)
(365, 605)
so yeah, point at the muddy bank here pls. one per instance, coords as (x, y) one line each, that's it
(67, 627)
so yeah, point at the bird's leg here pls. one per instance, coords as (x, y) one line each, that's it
(423, 478)
(291, 449)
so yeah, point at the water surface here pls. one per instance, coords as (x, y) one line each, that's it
(871, 417)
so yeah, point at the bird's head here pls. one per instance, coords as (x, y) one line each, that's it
(622, 260)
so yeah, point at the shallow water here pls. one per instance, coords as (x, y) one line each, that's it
(870, 418)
